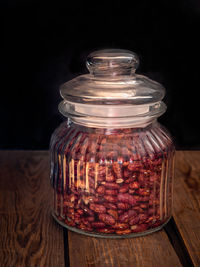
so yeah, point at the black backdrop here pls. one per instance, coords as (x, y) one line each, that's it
(44, 46)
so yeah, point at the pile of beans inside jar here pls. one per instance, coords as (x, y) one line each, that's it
(105, 186)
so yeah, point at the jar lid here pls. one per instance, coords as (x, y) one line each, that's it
(112, 89)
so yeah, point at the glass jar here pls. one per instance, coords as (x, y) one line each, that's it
(111, 161)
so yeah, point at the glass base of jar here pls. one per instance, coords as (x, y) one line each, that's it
(73, 229)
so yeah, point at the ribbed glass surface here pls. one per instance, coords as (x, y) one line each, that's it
(112, 182)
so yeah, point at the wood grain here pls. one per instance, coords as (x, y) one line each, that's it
(187, 201)
(30, 237)
(28, 234)
(151, 250)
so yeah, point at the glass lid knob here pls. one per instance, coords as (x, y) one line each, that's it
(112, 62)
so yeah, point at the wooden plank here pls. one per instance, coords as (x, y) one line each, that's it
(187, 201)
(28, 234)
(151, 250)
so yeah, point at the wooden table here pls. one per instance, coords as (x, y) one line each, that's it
(30, 237)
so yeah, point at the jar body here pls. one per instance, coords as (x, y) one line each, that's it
(112, 182)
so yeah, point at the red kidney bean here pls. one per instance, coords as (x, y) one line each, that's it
(154, 177)
(100, 178)
(131, 167)
(123, 206)
(129, 180)
(131, 213)
(134, 185)
(91, 182)
(98, 224)
(86, 222)
(71, 198)
(125, 163)
(143, 199)
(144, 191)
(142, 217)
(135, 166)
(106, 230)
(110, 206)
(113, 213)
(127, 173)
(145, 173)
(68, 204)
(126, 198)
(87, 199)
(158, 161)
(111, 199)
(154, 202)
(137, 198)
(90, 219)
(132, 191)
(151, 211)
(120, 226)
(137, 209)
(111, 192)
(124, 188)
(80, 211)
(97, 208)
(149, 220)
(110, 177)
(126, 216)
(144, 206)
(111, 185)
(71, 212)
(91, 190)
(102, 171)
(123, 232)
(77, 215)
(117, 170)
(101, 190)
(139, 228)
(82, 226)
(123, 197)
(107, 219)
(134, 220)
(99, 200)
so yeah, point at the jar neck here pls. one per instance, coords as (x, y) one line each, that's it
(113, 123)
(111, 130)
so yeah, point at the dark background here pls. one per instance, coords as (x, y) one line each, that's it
(44, 46)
